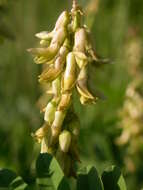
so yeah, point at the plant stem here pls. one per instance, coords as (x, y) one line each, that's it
(44, 148)
(74, 5)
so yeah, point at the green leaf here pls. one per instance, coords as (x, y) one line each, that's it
(10, 181)
(113, 179)
(94, 179)
(89, 179)
(43, 180)
(18, 184)
(43, 164)
(6, 177)
(50, 172)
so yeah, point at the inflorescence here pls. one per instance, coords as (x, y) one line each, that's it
(65, 54)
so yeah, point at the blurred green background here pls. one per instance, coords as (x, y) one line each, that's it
(111, 23)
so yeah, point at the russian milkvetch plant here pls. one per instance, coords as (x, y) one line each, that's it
(65, 53)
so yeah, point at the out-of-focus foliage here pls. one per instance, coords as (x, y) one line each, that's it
(110, 22)
(5, 26)
(50, 176)
(131, 114)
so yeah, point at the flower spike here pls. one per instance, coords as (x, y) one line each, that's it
(65, 53)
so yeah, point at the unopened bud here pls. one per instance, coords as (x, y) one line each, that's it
(44, 35)
(80, 40)
(70, 72)
(74, 127)
(50, 112)
(65, 141)
(59, 36)
(63, 20)
(48, 52)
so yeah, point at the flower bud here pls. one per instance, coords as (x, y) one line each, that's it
(65, 140)
(74, 127)
(58, 121)
(50, 112)
(70, 72)
(44, 35)
(80, 40)
(65, 101)
(63, 20)
(63, 53)
(59, 36)
(48, 52)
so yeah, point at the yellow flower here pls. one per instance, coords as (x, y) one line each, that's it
(80, 40)
(70, 72)
(82, 89)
